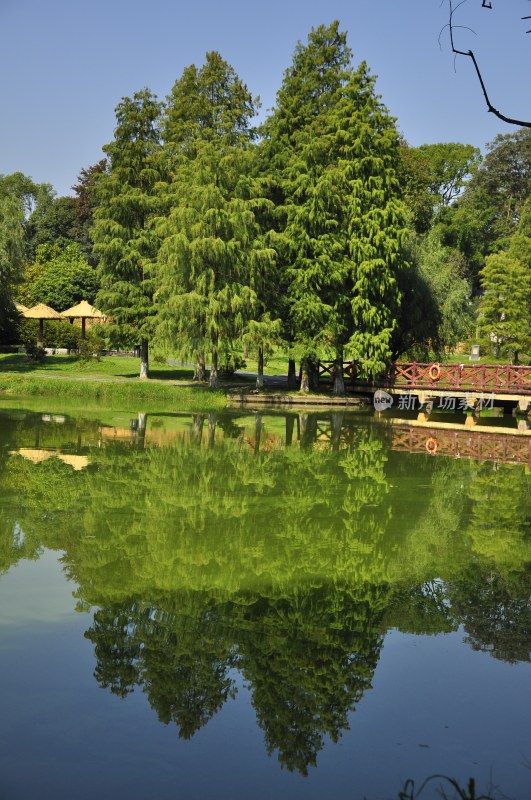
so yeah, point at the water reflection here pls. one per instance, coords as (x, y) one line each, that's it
(308, 659)
(284, 546)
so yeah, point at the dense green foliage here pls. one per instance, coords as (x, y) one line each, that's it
(60, 277)
(334, 147)
(505, 312)
(322, 232)
(125, 242)
(212, 259)
(11, 259)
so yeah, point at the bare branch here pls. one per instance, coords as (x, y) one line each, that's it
(470, 54)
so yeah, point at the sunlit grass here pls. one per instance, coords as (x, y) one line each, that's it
(112, 380)
(117, 367)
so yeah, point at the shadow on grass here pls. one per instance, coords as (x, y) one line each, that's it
(71, 366)
(21, 363)
(181, 374)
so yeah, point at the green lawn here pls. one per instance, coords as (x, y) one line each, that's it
(113, 380)
(462, 358)
(276, 365)
(116, 367)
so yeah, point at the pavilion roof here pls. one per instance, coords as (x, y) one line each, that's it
(83, 309)
(41, 311)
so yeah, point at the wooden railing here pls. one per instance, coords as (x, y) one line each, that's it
(472, 445)
(485, 378)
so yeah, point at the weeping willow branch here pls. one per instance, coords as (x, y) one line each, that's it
(470, 54)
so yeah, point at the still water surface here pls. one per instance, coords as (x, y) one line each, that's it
(259, 605)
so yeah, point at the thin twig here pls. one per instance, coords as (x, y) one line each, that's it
(470, 54)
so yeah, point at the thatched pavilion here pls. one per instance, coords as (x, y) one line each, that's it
(41, 312)
(83, 311)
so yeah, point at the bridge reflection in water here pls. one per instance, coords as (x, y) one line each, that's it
(503, 448)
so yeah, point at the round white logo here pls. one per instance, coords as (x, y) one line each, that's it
(382, 400)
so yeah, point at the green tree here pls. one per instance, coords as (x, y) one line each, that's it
(60, 277)
(505, 177)
(213, 254)
(505, 311)
(433, 176)
(335, 148)
(487, 213)
(124, 239)
(450, 165)
(53, 222)
(444, 271)
(85, 202)
(12, 253)
(32, 195)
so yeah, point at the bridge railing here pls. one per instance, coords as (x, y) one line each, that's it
(484, 378)
(472, 445)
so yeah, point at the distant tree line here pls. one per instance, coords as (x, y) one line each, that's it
(322, 231)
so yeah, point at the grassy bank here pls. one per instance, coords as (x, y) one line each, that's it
(111, 381)
(115, 367)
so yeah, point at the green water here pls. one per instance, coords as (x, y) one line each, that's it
(230, 605)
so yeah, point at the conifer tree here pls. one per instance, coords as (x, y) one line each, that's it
(505, 312)
(334, 151)
(212, 249)
(11, 259)
(125, 241)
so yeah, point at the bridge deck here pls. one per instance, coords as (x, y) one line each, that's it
(504, 381)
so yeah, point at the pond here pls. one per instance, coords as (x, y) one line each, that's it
(259, 605)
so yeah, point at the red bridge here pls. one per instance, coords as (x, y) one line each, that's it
(507, 380)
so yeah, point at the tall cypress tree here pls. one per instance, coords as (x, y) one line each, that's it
(505, 311)
(124, 238)
(334, 149)
(212, 244)
(12, 252)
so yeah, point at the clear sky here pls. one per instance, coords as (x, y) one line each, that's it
(65, 64)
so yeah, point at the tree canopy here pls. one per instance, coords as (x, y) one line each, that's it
(124, 240)
(333, 147)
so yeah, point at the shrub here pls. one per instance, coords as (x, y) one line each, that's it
(229, 363)
(56, 334)
(35, 353)
(90, 347)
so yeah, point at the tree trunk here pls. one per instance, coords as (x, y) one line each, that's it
(214, 381)
(339, 380)
(305, 376)
(292, 377)
(308, 430)
(197, 427)
(141, 430)
(257, 432)
(336, 426)
(260, 375)
(144, 359)
(290, 424)
(314, 376)
(199, 370)
(515, 358)
(212, 419)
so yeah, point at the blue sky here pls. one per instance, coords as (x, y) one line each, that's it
(65, 64)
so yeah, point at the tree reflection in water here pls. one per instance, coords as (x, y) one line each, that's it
(284, 547)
